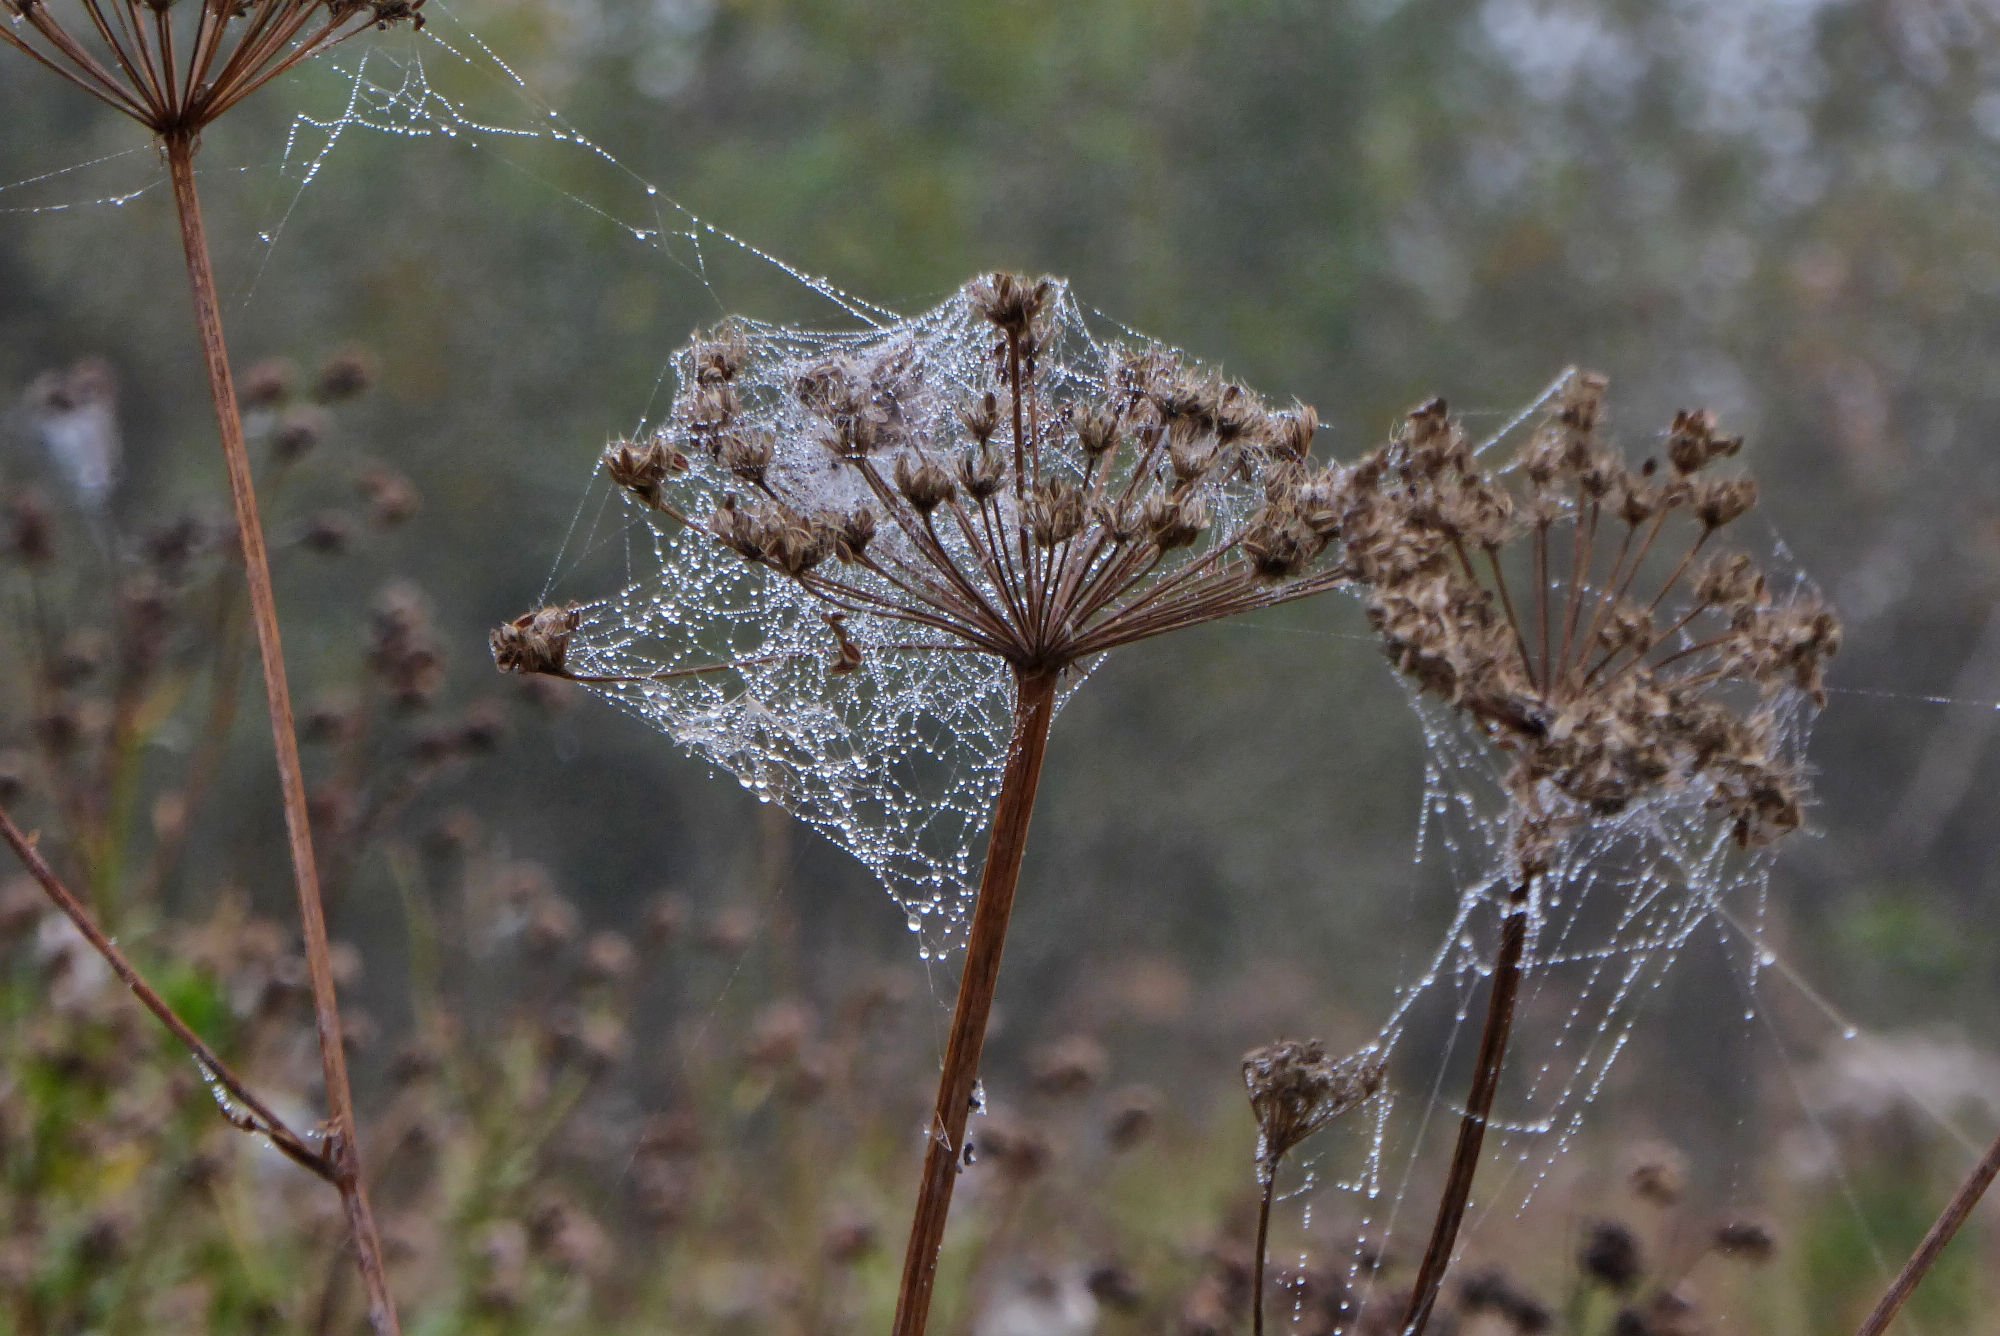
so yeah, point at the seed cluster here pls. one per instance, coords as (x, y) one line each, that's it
(1295, 1090)
(1537, 599)
(1041, 517)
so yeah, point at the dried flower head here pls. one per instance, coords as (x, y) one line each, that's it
(1295, 1090)
(176, 68)
(1540, 601)
(865, 539)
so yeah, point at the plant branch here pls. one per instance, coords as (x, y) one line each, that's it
(342, 1149)
(1941, 1234)
(1478, 1111)
(259, 1117)
(1034, 707)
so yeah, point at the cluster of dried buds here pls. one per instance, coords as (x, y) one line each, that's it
(1295, 1090)
(1034, 514)
(1540, 599)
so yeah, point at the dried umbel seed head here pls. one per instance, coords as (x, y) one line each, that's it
(392, 498)
(1053, 513)
(537, 642)
(1295, 1090)
(1693, 443)
(267, 384)
(1606, 681)
(855, 531)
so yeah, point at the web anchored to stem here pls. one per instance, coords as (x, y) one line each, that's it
(1613, 705)
(881, 559)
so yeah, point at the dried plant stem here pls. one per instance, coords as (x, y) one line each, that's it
(1935, 1242)
(342, 1149)
(1478, 1109)
(1260, 1262)
(1034, 707)
(256, 1116)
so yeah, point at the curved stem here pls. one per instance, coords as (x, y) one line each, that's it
(1941, 1234)
(256, 1115)
(1478, 1110)
(1034, 707)
(342, 1149)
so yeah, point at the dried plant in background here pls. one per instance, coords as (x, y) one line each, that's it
(1295, 1090)
(176, 69)
(1547, 605)
(882, 556)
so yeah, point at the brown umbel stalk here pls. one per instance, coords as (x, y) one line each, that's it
(1034, 706)
(1478, 1110)
(1261, 1260)
(342, 1149)
(1940, 1236)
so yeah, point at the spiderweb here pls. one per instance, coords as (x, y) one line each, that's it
(898, 760)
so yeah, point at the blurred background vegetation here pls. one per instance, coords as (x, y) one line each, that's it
(1789, 212)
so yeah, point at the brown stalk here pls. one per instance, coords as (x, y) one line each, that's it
(1034, 707)
(342, 1147)
(259, 1117)
(1934, 1243)
(1259, 1262)
(1478, 1111)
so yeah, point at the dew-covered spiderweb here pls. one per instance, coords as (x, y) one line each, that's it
(898, 760)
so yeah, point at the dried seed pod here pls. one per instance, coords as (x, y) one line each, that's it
(537, 642)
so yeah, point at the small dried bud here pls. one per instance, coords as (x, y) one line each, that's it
(924, 484)
(266, 385)
(1054, 512)
(847, 655)
(1096, 428)
(1610, 1255)
(796, 545)
(1172, 524)
(1020, 1152)
(1279, 546)
(746, 454)
(1291, 432)
(298, 435)
(856, 531)
(537, 642)
(848, 1239)
(666, 917)
(643, 468)
(608, 958)
(1068, 1067)
(329, 532)
(981, 419)
(30, 531)
(1730, 582)
(391, 497)
(1009, 301)
(1724, 501)
(739, 530)
(718, 360)
(1659, 1176)
(1692, 443)
(346, 375)
(1494, 1292)
(1133, 1112)
(1746, 1241)
(980, 471)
